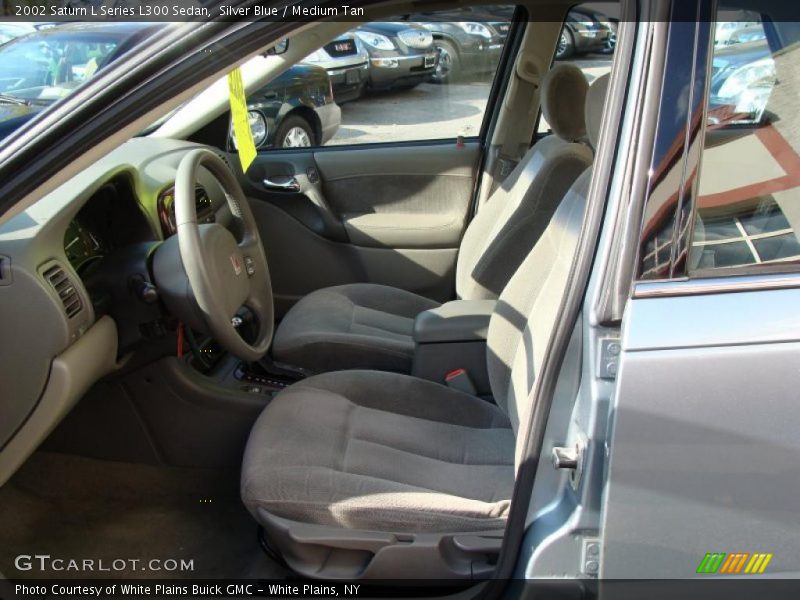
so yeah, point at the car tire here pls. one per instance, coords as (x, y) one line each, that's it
(566, 45)
(295, 132)
(449, 70)
(611, 42)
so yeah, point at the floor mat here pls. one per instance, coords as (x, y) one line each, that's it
(76, 508)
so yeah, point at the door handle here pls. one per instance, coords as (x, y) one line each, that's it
(282, 183)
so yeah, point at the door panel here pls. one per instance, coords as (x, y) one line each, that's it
(387, 215)
(705, 434)
(402, 197)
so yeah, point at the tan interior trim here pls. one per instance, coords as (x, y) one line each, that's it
(72, 373)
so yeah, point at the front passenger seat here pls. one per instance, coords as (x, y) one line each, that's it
(368, 474)
(370, 326)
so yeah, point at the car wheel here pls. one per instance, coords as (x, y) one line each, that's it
(448, 64)
(611, 43)
(294, 132)
(566, 45)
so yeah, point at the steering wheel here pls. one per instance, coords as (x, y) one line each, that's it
(225, 275)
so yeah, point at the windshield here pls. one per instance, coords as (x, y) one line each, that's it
(43, 67)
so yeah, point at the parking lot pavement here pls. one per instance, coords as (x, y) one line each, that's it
(428, 111)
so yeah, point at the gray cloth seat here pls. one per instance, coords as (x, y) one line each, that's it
(369, 326)
(381, 451)
(347, 326)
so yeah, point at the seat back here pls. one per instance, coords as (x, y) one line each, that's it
(512, 220)
(528, 309)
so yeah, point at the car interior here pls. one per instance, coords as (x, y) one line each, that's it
(331, 380)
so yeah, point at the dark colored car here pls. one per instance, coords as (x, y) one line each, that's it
(467, 41)
(401, 54)
(585, 30)
(296, 109)
(347, 64)
(45, 65)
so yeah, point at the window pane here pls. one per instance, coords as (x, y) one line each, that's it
(732, 254)
(781, 247)
(748, 204)
(423, 76)
(587, 40)
(767, 217)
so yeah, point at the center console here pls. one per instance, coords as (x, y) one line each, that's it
(451, 340)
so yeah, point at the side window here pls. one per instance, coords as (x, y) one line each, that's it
(748, 203)
(587, 40)
(423, 76)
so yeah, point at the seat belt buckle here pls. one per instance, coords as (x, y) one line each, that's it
(459, 379)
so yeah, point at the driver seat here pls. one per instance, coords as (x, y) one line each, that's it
(368, 474)
(366, 325)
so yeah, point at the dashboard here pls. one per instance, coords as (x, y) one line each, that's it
(73, 270)
(111, 218)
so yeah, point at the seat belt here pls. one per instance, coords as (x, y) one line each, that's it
(525, 88)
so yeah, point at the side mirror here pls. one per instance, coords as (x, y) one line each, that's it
(279, 48)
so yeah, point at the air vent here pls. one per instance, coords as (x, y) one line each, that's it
(65, 289)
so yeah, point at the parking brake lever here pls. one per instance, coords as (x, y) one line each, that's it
(282, 183)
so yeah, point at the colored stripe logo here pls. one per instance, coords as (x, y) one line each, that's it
(735, 563)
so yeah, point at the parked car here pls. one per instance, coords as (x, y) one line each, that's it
(46, 64)
(468, 41)
(296, 109)
(402, 55)
(585, 30)
(347, 63)
(742, 79)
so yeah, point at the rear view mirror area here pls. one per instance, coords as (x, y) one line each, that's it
(279, 48)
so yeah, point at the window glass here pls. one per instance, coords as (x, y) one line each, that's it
(424, 76)
(42, 67)
(748, 203)
(587, 40)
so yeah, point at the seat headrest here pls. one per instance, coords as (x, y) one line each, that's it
(563, 98)
(595, 102)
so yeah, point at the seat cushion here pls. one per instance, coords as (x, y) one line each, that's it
(360, 325)
(380, 451)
